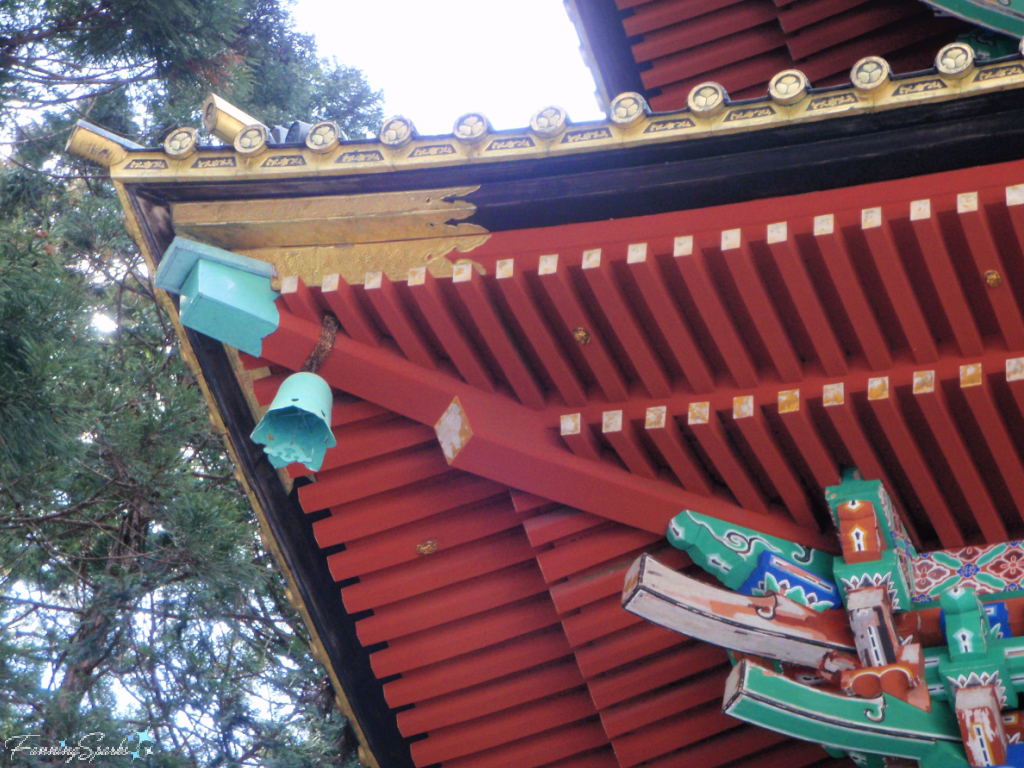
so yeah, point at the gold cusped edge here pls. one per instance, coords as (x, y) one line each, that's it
(373, 156)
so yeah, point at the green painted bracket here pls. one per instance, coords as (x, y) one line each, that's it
(730, 552)
(881, 726)
(1005, 16)
(223, 295)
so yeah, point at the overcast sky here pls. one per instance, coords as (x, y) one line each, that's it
(438, 59)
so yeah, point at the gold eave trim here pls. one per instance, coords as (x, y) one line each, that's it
(373, 156)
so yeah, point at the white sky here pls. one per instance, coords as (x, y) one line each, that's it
(439, 59)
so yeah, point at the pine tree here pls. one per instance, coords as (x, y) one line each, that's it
(134, 592)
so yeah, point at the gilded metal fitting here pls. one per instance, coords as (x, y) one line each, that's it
(955, 60)
(223, 119)
(397, 131)
(251, 140)
(707, 99)
(181, 142)
(323, 137)
(993, 279)
(472, 128)
(628, 108)
(788, 87)
(870, 73)
(549, 122)
(582, 336)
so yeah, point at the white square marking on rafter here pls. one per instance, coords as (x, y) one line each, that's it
(656, 418)
(1015, 195)
(571, 424)
(330, 282)
(592, 258)
(1015, 369)
(636, 253)
(789, 401)
(824, 225)
(870, 218)
(966, 202)
(730, 239)
(373, 280)
(920, 209)
(743, 407)
(970, 375)
(683, 246)
(833, 394)
(924, 382)
(878, 388)
(611, 421)
(698, 413)
(290, 284)
(778, 232)
(463, 272)
(503, 269)
(548, 264)
(417, 276)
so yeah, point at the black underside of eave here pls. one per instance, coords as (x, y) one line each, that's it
(689, 173)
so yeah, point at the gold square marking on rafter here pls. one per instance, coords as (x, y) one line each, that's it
(656, 417)
(870, 218)
(503, 269)
(592, 258)
(920, 209)
(698, 413)
(1015, 195)
(548, 264)
(824, 225)
(833, 394)
(778, 232)
(730, 239)
(1015, 369)
(683, 246)
(789, 400)
(373, 280)
(966, 202)
(970, 375)
(636, 253)
(462, 272)
(417, 276)
(571, 423)
(924, 382)
(611, 421)
(743, 407)
(878, 388)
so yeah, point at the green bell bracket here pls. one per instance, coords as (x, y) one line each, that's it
(223, 295)
(297, 427)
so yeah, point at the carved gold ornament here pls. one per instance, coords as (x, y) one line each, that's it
(181, 142)
(788, 87)
(582, 336)
(397, 131)
(955, 60)
(323, 137)
(628, 108)
(472, 128)
(870, 73)
(707, 99)
(549, 121)
(251, 140)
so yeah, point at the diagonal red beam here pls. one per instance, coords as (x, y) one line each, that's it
(663, 430)
(851, 294)
(947, 284)
(426, 291)
(677, 334)
(341, 298)
(804, 298)
(997, 438)
(716, 318)
(509, 443)
(512, 283)
(383, 294)
(740, 262)
(300, 299)
(626, 443)
(599, 276)
(558, 285)
(474, 296)
(896, 284)
(713, 439)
